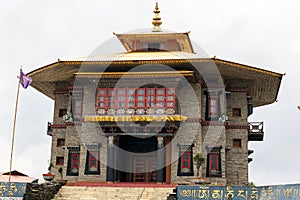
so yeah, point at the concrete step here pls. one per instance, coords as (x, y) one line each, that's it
(112, 193)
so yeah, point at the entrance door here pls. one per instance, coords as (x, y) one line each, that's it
(139, 159)
(144, 169)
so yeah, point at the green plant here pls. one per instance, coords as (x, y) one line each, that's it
(50, 166)
(251, 184)
(199, 159)
(60, 171)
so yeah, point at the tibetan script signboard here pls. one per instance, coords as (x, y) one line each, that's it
(285, 192)
(12, 191)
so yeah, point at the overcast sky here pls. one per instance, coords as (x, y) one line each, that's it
(264, 34)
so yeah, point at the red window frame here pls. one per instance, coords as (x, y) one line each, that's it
(160, 97)
(214, 162)
(186, 160)
(134, 98)
(170, 92)
(213, 107)
(75, 162)
(111, 98)
(77, 107)
(101, 98)
(135, 45)
(131, 101)
(94, 156)
(150, 97)
(139, 101)
(121, 98)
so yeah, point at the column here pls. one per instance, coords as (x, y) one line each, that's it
(110, 159)
(168, 160)
(160, 160)
(116, 143)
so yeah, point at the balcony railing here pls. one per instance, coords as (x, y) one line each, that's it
(52, 126)
(256, 132)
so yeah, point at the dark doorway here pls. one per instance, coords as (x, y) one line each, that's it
(140, 163)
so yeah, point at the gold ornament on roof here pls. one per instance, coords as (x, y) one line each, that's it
(156, 19)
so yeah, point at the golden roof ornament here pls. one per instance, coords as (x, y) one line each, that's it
(156, 19)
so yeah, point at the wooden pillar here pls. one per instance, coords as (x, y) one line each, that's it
(110, 174)
(160, 160)
(168, 160)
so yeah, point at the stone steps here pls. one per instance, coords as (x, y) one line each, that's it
(112, 193)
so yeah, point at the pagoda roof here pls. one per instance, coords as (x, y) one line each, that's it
(262, 85)
(182, 39)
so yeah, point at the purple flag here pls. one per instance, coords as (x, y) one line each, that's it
(25, 80)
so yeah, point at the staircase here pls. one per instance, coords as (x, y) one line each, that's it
(112, 193)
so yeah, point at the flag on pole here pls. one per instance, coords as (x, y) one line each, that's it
(25, 80)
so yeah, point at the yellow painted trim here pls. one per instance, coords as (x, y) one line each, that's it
(241, 66)
(135, 74)
(167, 61)
(135, 118)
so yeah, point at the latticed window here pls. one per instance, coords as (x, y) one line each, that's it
(73, 161)
(185, 162)
(212, 106)
(213, 168)
(76, 108)
(92, 165)
(135, 98)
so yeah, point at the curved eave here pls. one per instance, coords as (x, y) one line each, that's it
(45, 78)
(263, 84)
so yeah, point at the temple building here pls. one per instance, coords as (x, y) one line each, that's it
(143, 114)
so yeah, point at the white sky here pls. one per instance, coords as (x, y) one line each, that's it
(264, 34)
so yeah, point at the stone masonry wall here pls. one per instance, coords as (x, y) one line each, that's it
(189, 133)
(237, 158)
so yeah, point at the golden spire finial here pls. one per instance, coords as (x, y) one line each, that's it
(156, 19)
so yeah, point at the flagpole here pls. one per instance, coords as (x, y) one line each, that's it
(14, 130)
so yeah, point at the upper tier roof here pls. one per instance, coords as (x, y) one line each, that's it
(158, 47)
(156, 41)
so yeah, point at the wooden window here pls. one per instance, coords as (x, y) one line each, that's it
(136, 45)
(140, 98)
(60, 160)
(172, 45)
(214, 162)
(213, 108)
(212, 111)
(213, 168)
(92, 165)
(160, 97)
(131, 98)
(121, 98)
(185, 162)
(111, 100)
(76, 108)
(150, 97)
(101, 98)
(62, 112)
(237, 143)
(134, 98)
(60, 142)
(170, 98)
(236, 112)
(73, 161)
